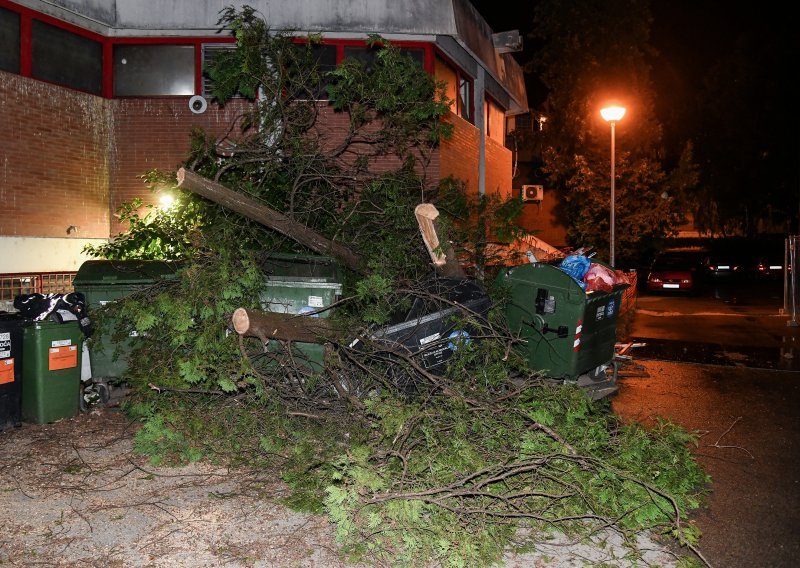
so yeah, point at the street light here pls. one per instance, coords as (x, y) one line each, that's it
(611, 115)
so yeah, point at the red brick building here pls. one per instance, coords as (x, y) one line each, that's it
(94, 93)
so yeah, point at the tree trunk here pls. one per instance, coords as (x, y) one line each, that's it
(248, 207)
(284, 327)
(441, 252)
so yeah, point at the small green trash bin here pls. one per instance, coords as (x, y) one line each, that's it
(566, 331)
(51, 375)
(102, 282)
(301, 284)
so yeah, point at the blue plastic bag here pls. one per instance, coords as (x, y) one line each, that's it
(576, 265)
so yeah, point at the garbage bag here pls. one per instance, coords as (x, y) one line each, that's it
(57, 307)
(576, 266)
(599, 277)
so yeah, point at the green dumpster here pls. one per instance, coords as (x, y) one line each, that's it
(567, 333)
(301, 284)
(102, 282)
(51, 372)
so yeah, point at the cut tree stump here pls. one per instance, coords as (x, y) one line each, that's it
(284, 327)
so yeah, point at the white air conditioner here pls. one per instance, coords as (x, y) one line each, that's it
(532, 193)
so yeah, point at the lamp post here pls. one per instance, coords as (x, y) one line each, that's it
(611, 115)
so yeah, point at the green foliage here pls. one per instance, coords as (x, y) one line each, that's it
(594, 54)
(459, 479)
(396, 88)
(411, 467)
(474, 222)
(164, 445)
(156, 232)
(180, 325)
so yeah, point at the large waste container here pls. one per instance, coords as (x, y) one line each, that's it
(301, 284)
(567, 333)
(438, 321)
(51, 376)
(102, 282)
(11, 334)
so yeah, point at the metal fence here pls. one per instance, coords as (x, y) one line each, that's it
(791, 294)
(15, 284)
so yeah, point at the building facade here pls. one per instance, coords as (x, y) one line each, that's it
(95, 93)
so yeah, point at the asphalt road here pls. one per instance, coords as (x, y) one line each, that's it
(726, 367)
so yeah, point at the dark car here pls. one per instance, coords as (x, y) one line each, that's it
(676, 271)
(770, 266)
(724, 265)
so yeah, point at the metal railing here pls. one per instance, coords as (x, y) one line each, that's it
(790, 284)
(15, 284)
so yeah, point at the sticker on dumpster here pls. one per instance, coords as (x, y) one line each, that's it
(4, 354)
(426, 340)
(6, 370)
(458, 338)
(315, 302)
(610, 308)
(5, 336)
(64, 357)
(308, 310)
(61, 343)
(601, 311)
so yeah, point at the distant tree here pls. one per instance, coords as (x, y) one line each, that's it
(747, 127)
(593, 53)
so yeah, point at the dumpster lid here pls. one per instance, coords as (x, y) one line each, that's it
(94, 272)
(300, 267)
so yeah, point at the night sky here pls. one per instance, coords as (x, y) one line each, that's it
(753, 121)
(689, 36)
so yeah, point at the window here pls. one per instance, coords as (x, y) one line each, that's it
(494, 119)
(153, 70)
(458, 87)
(60, 56)
(464, 101)
(9, 40)
(210, 52)
(415, 53)
(366, 55)
(325, 57)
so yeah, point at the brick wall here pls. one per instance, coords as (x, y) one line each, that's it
(459, 158)
(54, 165)
(459, 154)
(546, 219)
(155, 133)
(498, 169)
(73, 158)
(333, 127)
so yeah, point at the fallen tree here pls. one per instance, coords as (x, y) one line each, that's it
(275, 220)
(412, 466)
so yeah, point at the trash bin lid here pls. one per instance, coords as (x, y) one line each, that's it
(93, 272)
(300, 267)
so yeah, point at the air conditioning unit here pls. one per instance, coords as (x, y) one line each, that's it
(532, 193)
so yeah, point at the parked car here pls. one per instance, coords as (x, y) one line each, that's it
(676, 271)
(770, 266)
(724, 265)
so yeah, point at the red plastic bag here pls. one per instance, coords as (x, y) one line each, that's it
(598, 277)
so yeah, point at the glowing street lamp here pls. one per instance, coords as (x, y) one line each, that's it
(611, 115)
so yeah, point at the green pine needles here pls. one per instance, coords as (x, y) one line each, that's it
(412, 467)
